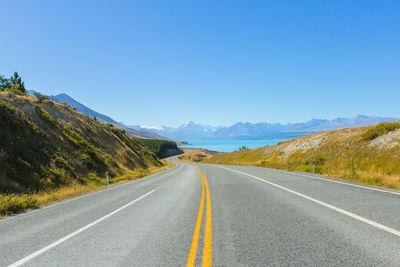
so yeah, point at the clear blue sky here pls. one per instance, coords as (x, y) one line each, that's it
(213, 62)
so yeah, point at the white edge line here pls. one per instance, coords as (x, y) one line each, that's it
(65, 238)
(100, 190)
(340, 182)
(332, 181)
(345, 212)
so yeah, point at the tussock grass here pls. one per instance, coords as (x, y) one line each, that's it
(12, 203)
(45, 198)
(94, 183)
(344, 154)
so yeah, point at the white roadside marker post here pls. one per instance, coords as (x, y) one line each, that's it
(108, 182)
(313, 167)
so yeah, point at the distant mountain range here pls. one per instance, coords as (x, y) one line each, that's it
(191, 131)
(139, 133)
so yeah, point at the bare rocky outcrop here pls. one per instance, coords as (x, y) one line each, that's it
(388, 140)
(302, 145)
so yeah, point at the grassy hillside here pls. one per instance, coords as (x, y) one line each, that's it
(369, 155)
(45, 145)
(162, 148)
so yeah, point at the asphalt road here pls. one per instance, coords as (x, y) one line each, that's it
(230, 216)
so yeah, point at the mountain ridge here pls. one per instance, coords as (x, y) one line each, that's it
(139, 133)
(191, 131)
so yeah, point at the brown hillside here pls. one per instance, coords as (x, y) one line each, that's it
(366, 154)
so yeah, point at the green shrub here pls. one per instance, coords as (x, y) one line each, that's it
(10, 204)
(61, 163)
(380, 129)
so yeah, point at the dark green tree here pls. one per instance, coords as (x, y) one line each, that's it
(4, 83)
(16, 81)
(14, 84)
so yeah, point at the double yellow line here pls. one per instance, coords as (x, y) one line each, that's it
(207, 247)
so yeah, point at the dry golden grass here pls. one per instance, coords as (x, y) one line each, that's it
(93, 184)
(45, 198)
(340, 154)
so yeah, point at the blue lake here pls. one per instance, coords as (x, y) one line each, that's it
(232, 145)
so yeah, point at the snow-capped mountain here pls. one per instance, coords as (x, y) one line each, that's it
(191, 131)
(187, 131)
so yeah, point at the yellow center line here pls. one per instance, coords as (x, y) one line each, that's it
(193, 248)
(207, 246)
(207, 249)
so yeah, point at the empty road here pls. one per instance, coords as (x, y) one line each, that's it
(198, 214)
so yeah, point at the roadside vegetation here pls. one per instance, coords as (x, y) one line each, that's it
(17, 203)
(162, 148)
(13, 203)
(369, 155)
(49, 151)
(94, 183)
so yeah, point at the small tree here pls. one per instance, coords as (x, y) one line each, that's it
(4, 83)
(17, 83)
(14, 84)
